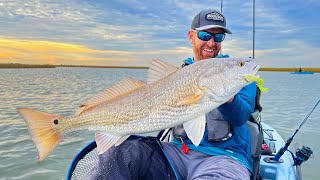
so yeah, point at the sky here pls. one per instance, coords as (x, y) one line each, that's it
(133, 32)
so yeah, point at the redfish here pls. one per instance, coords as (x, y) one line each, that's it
(171, 96)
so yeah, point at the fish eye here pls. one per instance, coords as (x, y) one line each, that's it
(56, 121)
(241, 64)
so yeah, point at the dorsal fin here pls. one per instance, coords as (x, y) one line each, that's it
(121, 88)
(158, 70)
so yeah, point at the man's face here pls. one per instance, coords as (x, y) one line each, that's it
(204, 49)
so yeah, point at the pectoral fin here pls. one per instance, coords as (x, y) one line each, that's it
(106, 141)
(195, 129)
(193, 99)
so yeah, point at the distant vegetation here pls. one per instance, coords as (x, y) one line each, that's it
(290, 69)
(129, 67)
(16, 65)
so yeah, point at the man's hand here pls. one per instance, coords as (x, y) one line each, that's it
(230, 100)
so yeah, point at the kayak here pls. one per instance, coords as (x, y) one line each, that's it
(283, 169)
(303, 72)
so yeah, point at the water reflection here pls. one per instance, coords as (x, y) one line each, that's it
(61, 90)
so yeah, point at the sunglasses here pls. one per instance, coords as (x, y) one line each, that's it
(206, 36)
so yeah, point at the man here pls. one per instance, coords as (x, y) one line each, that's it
(224, 152)
(216, 158)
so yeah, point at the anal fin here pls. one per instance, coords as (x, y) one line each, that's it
(105, 141)
(195, 129)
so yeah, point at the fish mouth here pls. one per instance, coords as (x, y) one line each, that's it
(252, 76)
(256, 69)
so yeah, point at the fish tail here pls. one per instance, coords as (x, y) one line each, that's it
(43, 128)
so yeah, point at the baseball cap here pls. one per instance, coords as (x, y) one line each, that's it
(208, 19)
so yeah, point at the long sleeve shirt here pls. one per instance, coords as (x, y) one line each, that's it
(236, 113)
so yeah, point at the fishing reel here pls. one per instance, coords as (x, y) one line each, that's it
(302, 155)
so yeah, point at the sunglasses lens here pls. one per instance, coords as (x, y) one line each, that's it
(204, 36)
(219, 37)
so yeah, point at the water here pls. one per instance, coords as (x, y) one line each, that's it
(61, 90)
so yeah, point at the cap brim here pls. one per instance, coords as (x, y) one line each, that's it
(213, 26)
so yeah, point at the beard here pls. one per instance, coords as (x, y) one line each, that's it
(200, 54)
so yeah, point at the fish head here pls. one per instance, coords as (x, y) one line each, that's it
(224, 77)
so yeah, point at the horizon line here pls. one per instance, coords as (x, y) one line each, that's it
(19, 65)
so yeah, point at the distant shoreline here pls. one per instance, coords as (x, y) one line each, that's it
(20, 66)
(16, 65)
(316, 70)
(127, 67)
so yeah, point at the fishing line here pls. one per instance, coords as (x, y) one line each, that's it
(288, 142)
(305, 119)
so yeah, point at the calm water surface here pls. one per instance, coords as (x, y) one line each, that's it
(61, 90)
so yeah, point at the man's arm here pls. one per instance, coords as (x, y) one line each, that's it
(239, 110)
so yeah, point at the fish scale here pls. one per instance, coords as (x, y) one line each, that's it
(178, 96)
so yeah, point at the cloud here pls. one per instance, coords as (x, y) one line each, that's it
(45, 52)
(48, 52)
(296, 54)
(134, 32)
(49, 10)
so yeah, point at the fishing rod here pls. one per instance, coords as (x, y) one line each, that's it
(288, 142)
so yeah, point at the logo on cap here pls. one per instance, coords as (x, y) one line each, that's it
(214, 16)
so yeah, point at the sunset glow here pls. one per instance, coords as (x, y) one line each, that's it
(133, 33)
